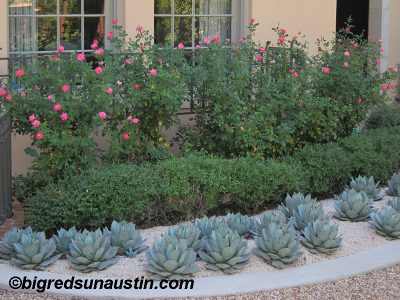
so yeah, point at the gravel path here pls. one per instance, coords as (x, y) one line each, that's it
(383, 285)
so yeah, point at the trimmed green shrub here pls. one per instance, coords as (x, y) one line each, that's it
(384, 116)
(185, 188)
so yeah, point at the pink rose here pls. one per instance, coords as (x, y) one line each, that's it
(295, 74)
(181, 46)
(98, 70)
(136, 86)
(2, 92)
(369, 38)
(259, 57)
(295, 37)
(281, 40)
(339, 40)
(64, 117)
(57, 107)
(61, 49)
(135, 120)
(23, 94)
(240, 41)
(128, 62)
(94, 45)
(142, 47)
(283, 31)
(380, 41)
(118, 83)
(19, 73)
(206, 41)
(378, 61)
(384, 87)
(81, 57)
(65, 88)
(326, 70)
(50, 97)
(346, 53)
(153, 72)
(9, 97)
(36, 123)
(114, 22)
(139, 28)
(99, 51)
(109, 91)
(198, 46)
(359, 101)
(347, 29)
(32, 118)
(262, 50)
(110, 35)
(39, 136)
(392, 85)
(252, 20)
(102, 115)
(382, 50)
(125, 136)
(54, 58)
(345, 65)
(216, 38)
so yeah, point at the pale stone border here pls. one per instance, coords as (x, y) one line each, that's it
(329, 270)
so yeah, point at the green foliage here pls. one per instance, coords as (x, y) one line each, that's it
(127, 238)
(367, 185)
(188, 232)
(305, 214)
(63, 238)
(384, 116)
(11, 237)
(353, 206)
(90, 251)
(321, 236)
(170, 258)
(394, 185)
(278, 245)
(387, 222)
(240, 223)
(225, 250)
(34, 251)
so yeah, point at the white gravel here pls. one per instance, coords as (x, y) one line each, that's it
(358, 236)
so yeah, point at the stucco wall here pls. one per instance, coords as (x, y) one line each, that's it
(314, 18)
(394, 33)
(3, 36)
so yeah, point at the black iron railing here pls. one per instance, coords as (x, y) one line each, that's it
(5, 167)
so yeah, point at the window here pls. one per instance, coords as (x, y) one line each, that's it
(40, 26)
(190, 21)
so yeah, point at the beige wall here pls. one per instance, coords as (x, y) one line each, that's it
(314, 18)
(138, 12)
(3, 36)
(394, 33)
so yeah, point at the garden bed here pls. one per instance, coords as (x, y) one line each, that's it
(357, 237)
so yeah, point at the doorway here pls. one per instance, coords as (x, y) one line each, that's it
(359, 12)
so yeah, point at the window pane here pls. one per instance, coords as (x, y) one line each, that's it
(211, 26)
(46, 7)
(183, 7)
(94, 7)
(213, 7)
(94, 30)
(162, 30)
(183, 31)
(20, 7)
(21, 30)
(47, 34)
(69, 7)
(70, 33)
(162, 7)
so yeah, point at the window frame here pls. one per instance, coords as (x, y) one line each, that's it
(109, 14)
(238, 15)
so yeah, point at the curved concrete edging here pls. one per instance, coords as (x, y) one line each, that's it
(329, 270)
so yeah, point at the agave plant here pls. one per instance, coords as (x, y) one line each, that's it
(305, 214)
(207, 225)
(293, 202)
(321, 236)
(278, 245)
(276, 217)
(63, 238)
(188, 232)
(127, 238)
(171, 258)
(90, 251)
(387, 222)
(11, 237)
(34, 251)
(395, 204)
(225, 250)
(394, 185)
(239, 223)
(353, 206)
(367, 185)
